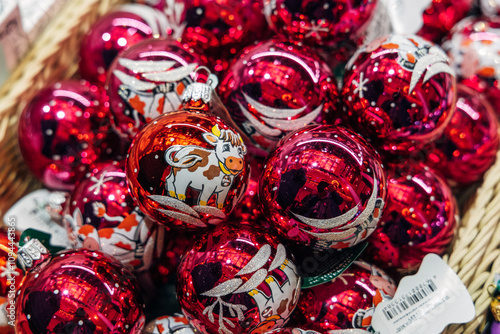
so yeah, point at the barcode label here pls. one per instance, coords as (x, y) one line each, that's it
(416, 295)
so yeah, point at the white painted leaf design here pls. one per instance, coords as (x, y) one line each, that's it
(143, 66)
(173, 75)
(254, 281)
(224, 288)
(294, 124)
(330, 222)
(279, 257)
(174, 203)
(262, 128)
(273, 112)
(183, 217)
(133, 82)
(258, 260)
(210, 210)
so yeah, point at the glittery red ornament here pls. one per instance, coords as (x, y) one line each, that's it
(324, 23)
(80, 291)
(399, 93)
(348, 301)
(169, 325)
(148, 80)
(276, 87)
(187, 169)
(101, 215)
(237, 280)
(323, 187)
(473, 48)
(63, 130)
(10, 274)
(419, 218)
(470, 142)
(115, 32)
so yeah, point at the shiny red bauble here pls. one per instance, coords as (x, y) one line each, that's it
(399, 93)
(148, 80)
(169, 325)
(187, 169)
(237, 280)
(276, 87)
(468, 147)
(348, 301)
(473, 47)
(321, 23)
(80, 291)
(115, 32)
(63, 130)
(101, 215)
(10, 274)
(420, 218)
(323, 187)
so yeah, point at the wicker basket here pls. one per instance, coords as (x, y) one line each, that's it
(475, 254)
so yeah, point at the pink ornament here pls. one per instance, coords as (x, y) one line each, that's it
(419, 218)
(81, 291)
(276, 87)
(114, 33)
(473, 48)
(101, 215)
(63, 130)
(169, 325)
(321, 23)
(348, 301)
(148, 80)
(323, 187)
(399, 92)
(237, 280)
(187, 169)
(468, 147)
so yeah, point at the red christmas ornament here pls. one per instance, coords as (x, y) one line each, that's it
(290, 330)
(237, 280)
(63, 130)
(321, 23)
(490, 8)
(323, 187)
(470, 142)
(419, 218)
(187, 169)
(80, 291)
(399, 92)
(101, 215)
(348, 301)
(115, 32)
(148, 80)
(473, 48)
(169, 325)
(276, 87)
(10, 274)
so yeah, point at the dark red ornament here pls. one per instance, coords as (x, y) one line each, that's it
(63, 130)
(148, 80)
(323, 187)
(237, 280)
(276, 87)
(115, 32)
(419, 218)
(470, 142)
(399, 93)
(348, 301)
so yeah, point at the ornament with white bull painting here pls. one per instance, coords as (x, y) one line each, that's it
(147, 81)
(187, 169)
(237, 280)
(323, 187)
(101, 215)
(176, 324)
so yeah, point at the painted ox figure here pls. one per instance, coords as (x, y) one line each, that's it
(209, 171)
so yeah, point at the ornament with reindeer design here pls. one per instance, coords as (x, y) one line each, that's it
(399, 93)
(238, 280)
(147, 81)
(277, 87)
(323, 187)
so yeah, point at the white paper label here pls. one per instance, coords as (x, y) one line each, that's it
(426, 302)
(406, 15)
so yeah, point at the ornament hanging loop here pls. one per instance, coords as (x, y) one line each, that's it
(199, 94)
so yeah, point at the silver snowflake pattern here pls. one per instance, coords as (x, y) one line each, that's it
(8, 272)
(99, 183)
(360, 85)
(316, 29)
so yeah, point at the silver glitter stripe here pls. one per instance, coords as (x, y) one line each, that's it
(333, 236)
(215, 221)
(174, 203)
(438, 68)
(183, 217)
(421, 67)
(279, 257)
(133, 82)
(370, 206)
(224, 288)
(142, 66)
(150, 15)
(258, 261)
(264, 129)
(273, 112)
(173, 75)
(210, 210)
(294, 124)
(331, 222)
(254, 281)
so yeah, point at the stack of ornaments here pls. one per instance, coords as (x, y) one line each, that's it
(250, 151)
